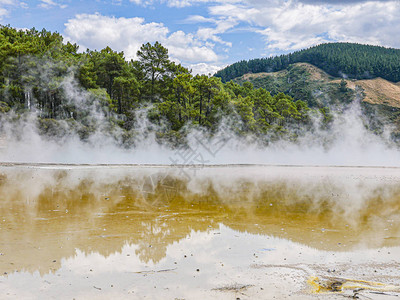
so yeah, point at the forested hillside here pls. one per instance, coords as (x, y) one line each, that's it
(337, 59)
(70, 92)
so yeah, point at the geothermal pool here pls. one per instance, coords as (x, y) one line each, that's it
(216, 232)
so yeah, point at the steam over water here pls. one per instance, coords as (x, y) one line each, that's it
(198, 232)
(223, 217)
(346, 143)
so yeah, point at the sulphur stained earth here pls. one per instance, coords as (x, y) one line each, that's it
(217, 232)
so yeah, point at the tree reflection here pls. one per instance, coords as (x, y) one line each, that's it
(48, 214)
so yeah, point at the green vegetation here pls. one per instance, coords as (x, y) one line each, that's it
(337, 59)
(305, 82)
(72, 92)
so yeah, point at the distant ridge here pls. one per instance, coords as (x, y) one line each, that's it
(348, 60)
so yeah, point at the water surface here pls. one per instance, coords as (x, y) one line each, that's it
(198, 232)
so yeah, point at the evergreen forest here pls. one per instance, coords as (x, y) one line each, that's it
(81, 93)
(349, 60)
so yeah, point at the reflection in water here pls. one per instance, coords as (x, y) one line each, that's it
(147, 219)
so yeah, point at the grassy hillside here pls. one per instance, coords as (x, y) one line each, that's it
(380, 98)
(379, 91)
(305, 82)
(350, 60)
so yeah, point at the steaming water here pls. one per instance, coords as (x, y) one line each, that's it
(198, 232)
(346, 143)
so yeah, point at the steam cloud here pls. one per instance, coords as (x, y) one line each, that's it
(346, 143)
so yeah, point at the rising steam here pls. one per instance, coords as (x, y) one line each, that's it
(346, 143)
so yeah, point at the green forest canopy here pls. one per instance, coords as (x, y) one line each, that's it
(337, 59)
(40, 73)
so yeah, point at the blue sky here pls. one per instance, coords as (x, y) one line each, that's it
(206, 35)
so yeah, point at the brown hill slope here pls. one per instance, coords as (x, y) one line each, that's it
(375, 91)
(316, 74)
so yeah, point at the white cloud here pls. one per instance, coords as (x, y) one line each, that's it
(203, 68)
(284, 25)
(212, 33)
(3, 12)
(128, 34)
(51, 3)
(122, 34)
(292, 25)
(180, 3)
(198, 19)
(5, 6)
(195, 52)
(170, 3)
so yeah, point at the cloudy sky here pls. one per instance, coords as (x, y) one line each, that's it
(206, 35)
